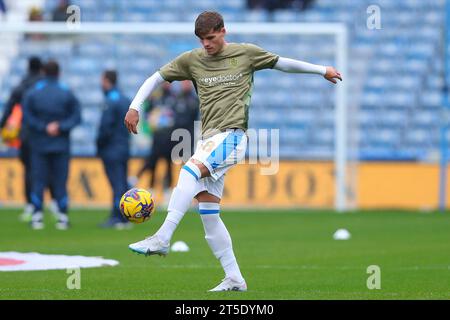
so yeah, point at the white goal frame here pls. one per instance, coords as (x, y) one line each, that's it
(338, 30)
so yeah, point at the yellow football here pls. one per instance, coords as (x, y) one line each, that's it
(137, 205)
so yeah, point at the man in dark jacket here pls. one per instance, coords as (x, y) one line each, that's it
(33, 75)
(51, 111)
(175, 109)
(113, 145)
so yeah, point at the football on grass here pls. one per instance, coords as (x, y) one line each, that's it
(137, 205)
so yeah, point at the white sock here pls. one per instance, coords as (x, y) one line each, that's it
(180, 200)
(219, 240)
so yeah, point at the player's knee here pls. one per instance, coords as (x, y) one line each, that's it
(205, 196)
(203, 169)
(189, 171)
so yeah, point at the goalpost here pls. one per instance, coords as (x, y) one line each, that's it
(345, 185)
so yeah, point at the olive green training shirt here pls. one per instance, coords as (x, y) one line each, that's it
(223, 82)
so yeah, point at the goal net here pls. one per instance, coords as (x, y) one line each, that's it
(314, 135)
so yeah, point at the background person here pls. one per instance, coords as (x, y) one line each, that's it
(51, 111)
(169, 110)
(113, 145)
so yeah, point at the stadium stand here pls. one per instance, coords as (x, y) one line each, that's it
(400, 68)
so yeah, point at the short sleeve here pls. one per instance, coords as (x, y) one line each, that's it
(177, 69)
(260, 58)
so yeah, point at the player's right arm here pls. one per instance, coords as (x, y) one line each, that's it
(132, 116)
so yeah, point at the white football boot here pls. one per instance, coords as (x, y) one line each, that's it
(149, 246)
(37, 222)
(229, 284)
(62, 222)
(27, 213)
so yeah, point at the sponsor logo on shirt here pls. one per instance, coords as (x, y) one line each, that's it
(224, 80)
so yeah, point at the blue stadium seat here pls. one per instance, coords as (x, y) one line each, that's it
(381, 64)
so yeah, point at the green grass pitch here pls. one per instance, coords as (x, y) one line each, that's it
(283, 255)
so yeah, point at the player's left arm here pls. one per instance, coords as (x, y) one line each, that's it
(9, 106)
(106, 128)
(73, 115)
(297, 66)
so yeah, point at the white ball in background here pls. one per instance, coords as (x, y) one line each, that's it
(341, 234)
(179, 246)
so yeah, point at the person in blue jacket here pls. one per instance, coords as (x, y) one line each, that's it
(33, 75)
(50, 112)
(113, 145)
